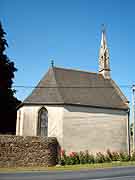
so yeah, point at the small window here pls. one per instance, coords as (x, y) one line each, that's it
(42, 122)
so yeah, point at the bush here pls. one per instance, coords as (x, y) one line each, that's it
(86, 158)
(91, 159)
(68, 161)
(107, 158)
(124, 156)
(82, 157)
(114, 156)
(100, 158)
(109, 154)
(74, 158)
(62, 160)
(133, 156)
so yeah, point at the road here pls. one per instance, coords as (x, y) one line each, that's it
(119, 173)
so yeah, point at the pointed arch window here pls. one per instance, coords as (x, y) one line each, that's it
(42, 129)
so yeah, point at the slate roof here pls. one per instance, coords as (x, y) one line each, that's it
(75, 87)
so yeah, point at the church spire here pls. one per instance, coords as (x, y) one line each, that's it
(104, 64)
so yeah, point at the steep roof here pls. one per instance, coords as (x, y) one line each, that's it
(67, 86)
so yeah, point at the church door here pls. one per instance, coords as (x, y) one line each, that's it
(42, 122)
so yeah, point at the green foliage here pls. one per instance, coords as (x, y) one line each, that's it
(82, 157)
(132, 156)
(7, 67)
(114, 156)
(3, 42)
(100, 158)
(74, 158)
(124, 156)
(107, 159)
(88, 158)
(91, 159)
(62, 160)
(8, 102)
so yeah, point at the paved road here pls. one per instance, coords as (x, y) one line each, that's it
(119, 173)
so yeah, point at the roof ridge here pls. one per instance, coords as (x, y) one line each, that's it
(78, 70)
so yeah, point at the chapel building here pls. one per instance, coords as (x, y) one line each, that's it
(83, 110)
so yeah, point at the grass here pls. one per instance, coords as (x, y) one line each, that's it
(67, 167)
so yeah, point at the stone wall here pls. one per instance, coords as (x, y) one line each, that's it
(95, 129)
(27, 151)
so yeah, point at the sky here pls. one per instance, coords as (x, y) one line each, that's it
(68, 32)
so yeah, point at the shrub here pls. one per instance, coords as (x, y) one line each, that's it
(109, 154)
(133, 156)
(71, 159)
(86, 158)
(68, 161)
(107, 158)
(91, 159)
(62, 160)
(82, 157)
(100, 158)
(113, 156)
(124, 156)
(74, 158)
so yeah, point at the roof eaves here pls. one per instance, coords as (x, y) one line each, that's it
(71, 104)
(119, 92)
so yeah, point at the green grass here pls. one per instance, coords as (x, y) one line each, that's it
(68, 167)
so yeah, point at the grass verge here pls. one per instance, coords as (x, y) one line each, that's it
(67, 167)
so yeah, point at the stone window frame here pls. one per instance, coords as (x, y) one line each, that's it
(42, 109)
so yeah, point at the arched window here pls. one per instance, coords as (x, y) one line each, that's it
(42, 129)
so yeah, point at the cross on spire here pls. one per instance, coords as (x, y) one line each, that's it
(52, 63)
(103, 27)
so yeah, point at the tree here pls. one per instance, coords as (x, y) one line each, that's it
(8, 102)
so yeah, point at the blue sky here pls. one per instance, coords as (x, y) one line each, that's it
(69, 32)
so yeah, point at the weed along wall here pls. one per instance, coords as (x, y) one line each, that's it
(27, 151)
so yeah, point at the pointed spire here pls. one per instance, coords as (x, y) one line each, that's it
(103, 38)
(104, 64)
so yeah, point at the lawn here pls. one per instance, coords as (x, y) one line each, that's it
(68, 167)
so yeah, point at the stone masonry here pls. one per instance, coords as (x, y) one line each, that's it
(27, 151)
